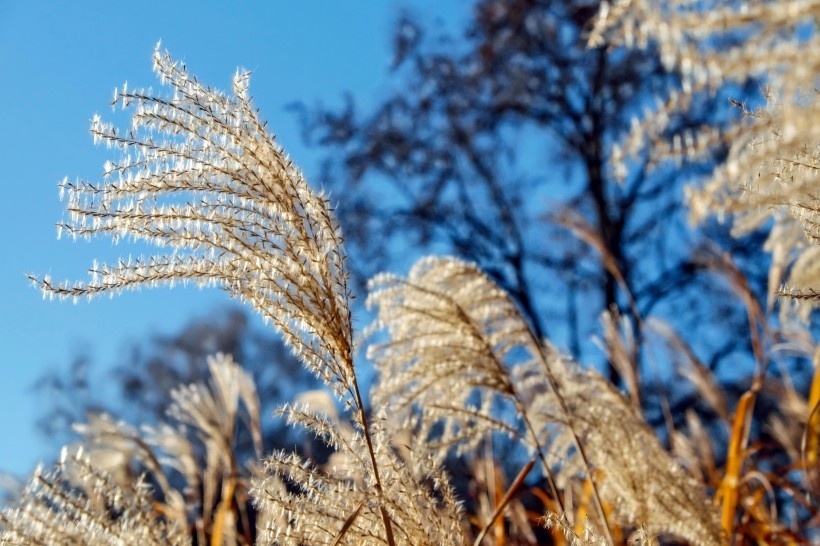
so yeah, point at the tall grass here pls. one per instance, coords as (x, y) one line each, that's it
(201, 179)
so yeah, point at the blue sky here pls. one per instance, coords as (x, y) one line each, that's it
(59, 64)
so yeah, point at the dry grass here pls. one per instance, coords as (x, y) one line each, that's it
(460, 371)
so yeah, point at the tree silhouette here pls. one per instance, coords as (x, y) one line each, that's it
(496, 146)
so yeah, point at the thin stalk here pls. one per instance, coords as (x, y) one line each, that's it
(388, 527)
(553, 381)
(516, 485)
(347, 524)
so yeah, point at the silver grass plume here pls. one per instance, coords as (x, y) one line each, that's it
(772, 149)
(457, 350)
(453, 334)
(335, 504)
(99, 492)
(200, 176)
(77, 504)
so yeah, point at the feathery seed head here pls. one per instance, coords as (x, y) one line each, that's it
(200, 177)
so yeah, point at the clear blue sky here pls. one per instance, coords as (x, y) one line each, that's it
(59, 64)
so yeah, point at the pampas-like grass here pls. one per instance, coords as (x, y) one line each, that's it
(459, 352)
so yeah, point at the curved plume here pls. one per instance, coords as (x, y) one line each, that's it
(201, 177)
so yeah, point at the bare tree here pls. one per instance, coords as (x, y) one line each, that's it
(495, 146)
